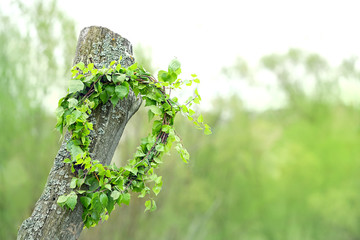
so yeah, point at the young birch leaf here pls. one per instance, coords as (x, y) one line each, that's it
(104, 97)
(119, 78)
(150, 115)
(72, 200)
(59, 111)
(75, 86)
(107, 186)
(147, 205)
(125, 198)
(200, 119)
(155, 110)
(160, 148)
(115, 195)
(85, 201)
(80, 65)
(121, 91)
(73, 182)
(207, 131)
(156, 189)
(103, 199)
(72, 102)
(114, 100)
(174, 65)
(90, 66)
(62, 199)
(197, 100)
(153, 208)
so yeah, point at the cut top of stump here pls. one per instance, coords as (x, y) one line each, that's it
(101, 46)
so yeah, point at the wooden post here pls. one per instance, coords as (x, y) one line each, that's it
(100, 46)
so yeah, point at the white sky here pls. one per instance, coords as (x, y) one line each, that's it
(208, 35)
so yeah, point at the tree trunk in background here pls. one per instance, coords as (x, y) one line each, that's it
(48, 220)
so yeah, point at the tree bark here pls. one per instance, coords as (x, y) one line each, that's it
(48, 220)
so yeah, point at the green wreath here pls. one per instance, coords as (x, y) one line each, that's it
(100, 187)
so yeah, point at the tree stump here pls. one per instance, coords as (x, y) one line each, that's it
(100, 46)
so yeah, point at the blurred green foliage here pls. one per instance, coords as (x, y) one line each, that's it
(28, 71)
(285, 173)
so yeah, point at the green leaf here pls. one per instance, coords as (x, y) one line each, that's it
(197, 100)
(72, 200)
(119, 78)
(144, 191)
(153, 208)
(160, 147)
(166, 128)
(72, 102)
(71, 118)
(59, 112)
(157, 125)
(80, 65)
(197, 94)
(110, 205)
(207, 131)
(85, 201)
(158, 180)
(104, 199)
(175, 66)
(98, 87)
(80, 182)
(76, 152)
(104, 97)
(125, 198)
(163, 76)
(200, 119)
(90, 66)
(156, 189)
(150, 115)
(183, 153)
(110, 89)
(156, 110)
(121, 91)
(149, 102)
(131, 169)
(133, 67)
(74, 72)
(139, 153)
(75, 86)
(115, 195)
(73, 182)
(88, 79)
(62, 199)
(114, 100)
(107, 186)
(147, 205)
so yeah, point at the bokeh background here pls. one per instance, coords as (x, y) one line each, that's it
(280, 87)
